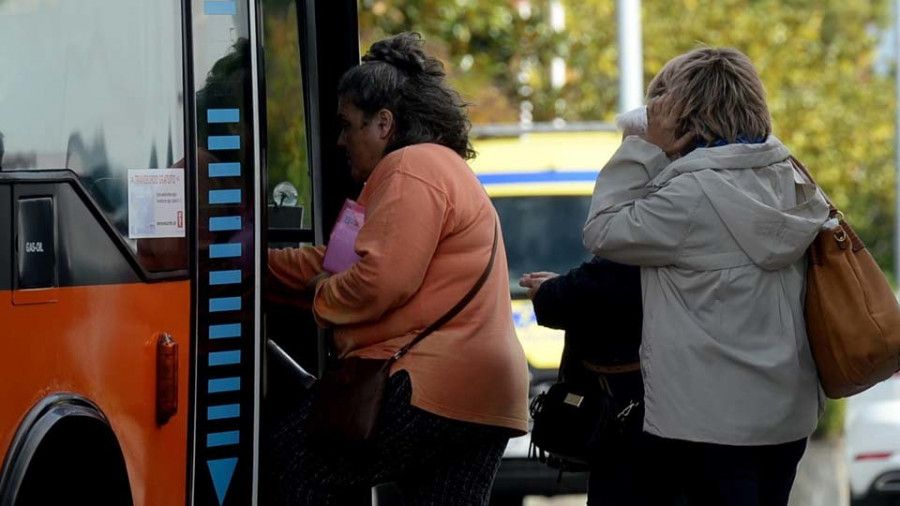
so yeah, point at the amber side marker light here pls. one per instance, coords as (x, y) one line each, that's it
(166, 378)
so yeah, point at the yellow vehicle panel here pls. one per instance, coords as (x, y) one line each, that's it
(538, 165)
(543, 346)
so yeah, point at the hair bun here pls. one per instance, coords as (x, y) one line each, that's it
(406, 52)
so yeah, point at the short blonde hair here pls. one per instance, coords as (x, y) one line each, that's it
(721, 96)
(660, 83)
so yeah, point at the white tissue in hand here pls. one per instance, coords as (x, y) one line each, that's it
(633, 121)
(831, 224)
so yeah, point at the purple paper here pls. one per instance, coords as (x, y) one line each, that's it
(341, 251)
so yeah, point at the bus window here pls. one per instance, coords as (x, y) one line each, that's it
(96, 87)
(542, 233)
(286, 143)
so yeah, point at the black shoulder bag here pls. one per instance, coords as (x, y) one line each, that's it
(572, 419)
(349, 395)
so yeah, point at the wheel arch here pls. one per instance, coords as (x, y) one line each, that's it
(57, 417)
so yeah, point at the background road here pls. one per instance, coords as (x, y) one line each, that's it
(821, 479)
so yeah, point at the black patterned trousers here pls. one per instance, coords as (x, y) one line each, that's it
(432, 459)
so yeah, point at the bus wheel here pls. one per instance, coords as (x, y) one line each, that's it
(77, 462)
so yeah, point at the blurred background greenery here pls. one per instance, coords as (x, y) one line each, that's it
(824, 63)
(827, 66)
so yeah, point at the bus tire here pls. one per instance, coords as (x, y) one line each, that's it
(68, 454)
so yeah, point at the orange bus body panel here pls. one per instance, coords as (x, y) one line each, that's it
(100, 342)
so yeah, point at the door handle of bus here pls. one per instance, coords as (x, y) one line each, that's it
(295, 370)
(166, 378)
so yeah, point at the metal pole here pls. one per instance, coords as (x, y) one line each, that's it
(897, 143)
(631, 59)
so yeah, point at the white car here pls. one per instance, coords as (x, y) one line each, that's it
(873, 444)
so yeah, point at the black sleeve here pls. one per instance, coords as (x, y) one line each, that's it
(588, 294)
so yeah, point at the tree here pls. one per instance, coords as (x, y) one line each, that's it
(829, 103)
(818, 59)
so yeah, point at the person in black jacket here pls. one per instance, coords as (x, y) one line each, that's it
(599, 306)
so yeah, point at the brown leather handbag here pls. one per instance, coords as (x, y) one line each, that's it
(349, 395)
(852, 316)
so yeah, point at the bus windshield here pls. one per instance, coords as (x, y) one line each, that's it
(542, 233)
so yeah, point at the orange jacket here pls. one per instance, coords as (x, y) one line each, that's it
(426, 239)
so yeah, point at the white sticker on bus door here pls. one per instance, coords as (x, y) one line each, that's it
(155, 203)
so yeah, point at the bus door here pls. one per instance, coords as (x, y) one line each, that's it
(308, 45)
(264, 78)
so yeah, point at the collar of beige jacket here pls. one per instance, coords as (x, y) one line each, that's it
(728, 157)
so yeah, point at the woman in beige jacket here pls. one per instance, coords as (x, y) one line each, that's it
(711, 208)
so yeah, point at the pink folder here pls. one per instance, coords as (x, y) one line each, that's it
(341, 251)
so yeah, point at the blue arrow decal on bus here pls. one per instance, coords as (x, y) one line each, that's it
(223, 142)
(231, 437)
(229, 250)
(224, 223)
(227, 169)
(217, 358)
(226, 331)
(220, 8)
(219, 385)
(230, 277)
(222, 471)
(224, 197)
(221, 304)
(223, 116)
(223, 412)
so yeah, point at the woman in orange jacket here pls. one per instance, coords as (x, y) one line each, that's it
(455, 399)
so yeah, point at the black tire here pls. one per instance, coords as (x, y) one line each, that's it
(77, 462)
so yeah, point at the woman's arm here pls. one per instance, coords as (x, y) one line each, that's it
(290, 272)
(629, 222)
(404, 224)
(586, 295)
(648, 231)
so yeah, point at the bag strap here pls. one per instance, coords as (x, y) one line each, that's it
(455, 310)
(802, 168)
(855, 241)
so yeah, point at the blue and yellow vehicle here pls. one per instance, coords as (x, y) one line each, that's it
(541, 185)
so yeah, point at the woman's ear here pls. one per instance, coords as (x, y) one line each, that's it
(384, 120)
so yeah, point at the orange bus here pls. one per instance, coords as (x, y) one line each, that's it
(140, 145)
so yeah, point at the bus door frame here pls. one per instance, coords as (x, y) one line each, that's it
(326, 53)
(228, 197)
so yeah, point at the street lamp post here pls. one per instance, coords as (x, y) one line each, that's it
(631, 58)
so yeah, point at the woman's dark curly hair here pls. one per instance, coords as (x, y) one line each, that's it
(397, 75)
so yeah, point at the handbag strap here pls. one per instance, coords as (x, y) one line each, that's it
(455, 310)
(855, 241)
(802, 168)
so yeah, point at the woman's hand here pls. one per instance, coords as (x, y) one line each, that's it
(533, 281)
(662, 127)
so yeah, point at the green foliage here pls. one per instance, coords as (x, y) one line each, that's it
(832, 422)
(484, 45)
(828, 104)
(816, 57)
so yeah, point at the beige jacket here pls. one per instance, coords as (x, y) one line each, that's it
(721, 236)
